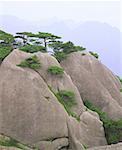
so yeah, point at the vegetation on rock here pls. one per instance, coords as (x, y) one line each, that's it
(36, 38)
(113, 129)
(67, 99)
(32, 62)
(4, 51)
(10, 142)
(120, 79)
(6, 41)
(32, 48)
(60, 56)
(34, 42)
(55, 70)
(47, 38)
(94, 54)
(61, 50)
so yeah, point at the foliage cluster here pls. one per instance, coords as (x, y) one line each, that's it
(4, 51)
(6, 38)
(41, 41)
(55, 70)
(32, 48)
(32, 62)
(6, 41)
(67, 99)
(61, 50)
(113, 129)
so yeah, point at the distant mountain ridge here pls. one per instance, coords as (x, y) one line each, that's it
(95, 36)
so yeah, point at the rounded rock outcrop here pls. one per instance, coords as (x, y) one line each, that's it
(95, 82)
(31, 113)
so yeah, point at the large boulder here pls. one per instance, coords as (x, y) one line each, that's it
(25, 112)
(31, 113)
(88, 132)
(91, 129)
(57, 82)
(104, 75)
(95, 82)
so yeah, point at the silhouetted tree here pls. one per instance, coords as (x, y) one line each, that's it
(47, 38)
(24, 36)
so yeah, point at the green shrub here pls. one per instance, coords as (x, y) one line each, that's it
(69, 47)
(32, 48)
(61, 50)
(94, 54)
(4, 51)
(113, 129)
(60, 56)
(120, 90)
(67, 99)
(32, 62)
(55, 70)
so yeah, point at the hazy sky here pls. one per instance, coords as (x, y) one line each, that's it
(75, 11)
(95, 25)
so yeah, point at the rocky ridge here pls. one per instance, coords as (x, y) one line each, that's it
(31, 113)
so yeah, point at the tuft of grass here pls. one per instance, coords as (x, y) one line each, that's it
(113, 129)
(55, 70)
(32, 62)
(120, 90)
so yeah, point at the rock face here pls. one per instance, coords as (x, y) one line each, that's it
(26, 114)
(91, 129)
(31, 113)
(85, 132)
(95, 82)
(111, 147)
(58, 83)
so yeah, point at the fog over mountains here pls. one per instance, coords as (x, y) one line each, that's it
(95, 36)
